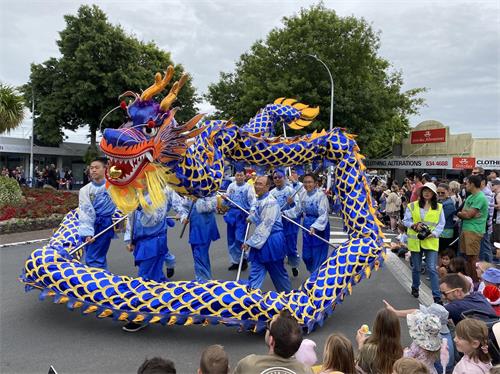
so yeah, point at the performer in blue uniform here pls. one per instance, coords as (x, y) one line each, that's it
(202, 231)
(175, 202)
(267, 252)
(242, 194)
(282, 193)
(313, 206)
(146, 236)
(95, 211)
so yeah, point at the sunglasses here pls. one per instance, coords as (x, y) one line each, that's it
(450, 291)
(277, 177)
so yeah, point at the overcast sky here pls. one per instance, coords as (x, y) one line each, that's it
(450, 47)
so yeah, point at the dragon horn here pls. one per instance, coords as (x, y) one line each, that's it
(192, 122)
(159, 84)
(170, 116)
(174, 91)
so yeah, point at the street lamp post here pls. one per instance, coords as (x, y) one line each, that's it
(329, 177)
(32, 136)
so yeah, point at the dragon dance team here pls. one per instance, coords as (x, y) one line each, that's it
(272, 239)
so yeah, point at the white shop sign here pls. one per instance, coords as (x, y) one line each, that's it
(488, 163)
(410, 163)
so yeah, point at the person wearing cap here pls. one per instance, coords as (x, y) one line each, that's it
(283, 193)
(242, 194)
(419, 215)
(474, 215)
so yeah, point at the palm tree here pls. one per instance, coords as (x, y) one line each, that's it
(11, 108)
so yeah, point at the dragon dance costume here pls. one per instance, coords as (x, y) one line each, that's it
(267, 250)
(290, 231)
(244, 195)
(150, 151)
(313, 206)
(96, 210)
(175, 202)
(202, 231)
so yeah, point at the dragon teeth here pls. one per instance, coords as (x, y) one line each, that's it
(149, 157)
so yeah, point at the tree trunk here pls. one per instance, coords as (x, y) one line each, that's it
(93, 132)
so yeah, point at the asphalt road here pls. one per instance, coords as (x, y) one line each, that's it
(35, 335)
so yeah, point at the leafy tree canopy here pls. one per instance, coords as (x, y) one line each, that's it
(98, 62)
(11, 108)
(368, 96)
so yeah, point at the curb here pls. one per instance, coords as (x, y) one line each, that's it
(24, 243)
(403, 275)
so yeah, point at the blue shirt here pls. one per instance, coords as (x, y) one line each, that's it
(94, 202)
(473, 301)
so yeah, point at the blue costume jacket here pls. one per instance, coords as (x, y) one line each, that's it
(95, 211)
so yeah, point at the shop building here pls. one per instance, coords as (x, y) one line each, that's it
(15, 152)
(431, 147)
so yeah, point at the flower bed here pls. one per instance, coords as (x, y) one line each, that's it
(40, 208)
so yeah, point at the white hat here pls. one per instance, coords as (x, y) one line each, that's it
(431, 186)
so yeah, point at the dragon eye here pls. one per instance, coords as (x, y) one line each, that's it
(149, 131)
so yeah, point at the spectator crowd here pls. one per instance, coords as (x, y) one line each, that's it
(61, 179)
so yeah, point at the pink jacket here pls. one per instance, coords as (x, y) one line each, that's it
(468, 366)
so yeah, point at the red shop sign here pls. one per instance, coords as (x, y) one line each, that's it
(464, 162)
(428, 136)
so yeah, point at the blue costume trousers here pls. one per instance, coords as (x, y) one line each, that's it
(95, 253)
(314, 257)
(277, 272)
(235, 237)
(202, 271)
(291, 232)
(152, 269)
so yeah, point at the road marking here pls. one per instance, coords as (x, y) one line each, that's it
(24, 243)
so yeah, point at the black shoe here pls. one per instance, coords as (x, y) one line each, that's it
(295, 272)
(170, 272)
(134, 327)
(414, 292)
(244, 265)
(233, 267)
(438, 300)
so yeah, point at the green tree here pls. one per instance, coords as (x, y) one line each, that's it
(368, 96)
(11, 108)
(98, 62)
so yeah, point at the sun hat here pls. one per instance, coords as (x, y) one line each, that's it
(431, 186)
(424, 330)
(491, 275)
(440, 312)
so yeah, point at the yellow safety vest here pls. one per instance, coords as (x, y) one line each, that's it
(431, 219)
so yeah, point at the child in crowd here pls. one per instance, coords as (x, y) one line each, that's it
(491, 281)
(408, 365)
(481, 267)
(338, 355)
(472, 340)
(400, 244)
(424, 330)
(379, 351)
(445, 258)
(457, 265)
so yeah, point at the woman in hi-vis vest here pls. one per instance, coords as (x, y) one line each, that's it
(425, 221)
